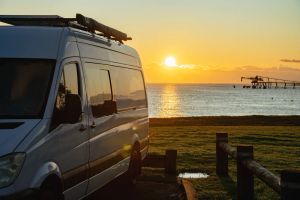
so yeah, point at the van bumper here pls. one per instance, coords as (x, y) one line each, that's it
(28, 194)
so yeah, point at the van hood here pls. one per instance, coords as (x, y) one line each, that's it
(12, 132)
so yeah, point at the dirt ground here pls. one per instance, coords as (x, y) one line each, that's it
(150, 186)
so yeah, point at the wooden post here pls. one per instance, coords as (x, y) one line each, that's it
(221, 155)
(245, 180)
(290, 184)
(170, 162)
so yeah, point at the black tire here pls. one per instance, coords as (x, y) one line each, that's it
(50, 191)
(135, 166)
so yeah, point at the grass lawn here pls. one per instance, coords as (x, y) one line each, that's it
(275, 147)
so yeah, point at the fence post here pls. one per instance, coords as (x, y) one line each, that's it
(221, 155)
(170, 162)
(245, 180)
(290, 184)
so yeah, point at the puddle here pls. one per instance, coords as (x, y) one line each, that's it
(193, 175)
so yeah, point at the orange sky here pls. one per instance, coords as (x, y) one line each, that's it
(213, 41)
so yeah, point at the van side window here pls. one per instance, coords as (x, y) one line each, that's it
(71, 79)
(129, 89)
(99, 91)
(68, 85)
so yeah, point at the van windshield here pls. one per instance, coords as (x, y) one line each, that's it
(24, 87)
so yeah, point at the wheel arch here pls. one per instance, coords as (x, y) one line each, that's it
(48, 171)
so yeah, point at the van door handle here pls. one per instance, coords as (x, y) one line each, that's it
(93, 125)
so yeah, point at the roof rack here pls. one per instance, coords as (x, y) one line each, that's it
(80, 22)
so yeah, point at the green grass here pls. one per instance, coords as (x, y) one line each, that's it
(275, 147)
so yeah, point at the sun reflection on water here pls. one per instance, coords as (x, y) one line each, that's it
(170, 102)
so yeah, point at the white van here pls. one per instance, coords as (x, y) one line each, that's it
(73, 107)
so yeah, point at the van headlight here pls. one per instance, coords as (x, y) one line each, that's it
(10, 166)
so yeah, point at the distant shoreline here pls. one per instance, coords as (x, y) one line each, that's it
(254, 120)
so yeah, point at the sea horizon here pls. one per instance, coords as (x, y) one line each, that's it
(168, 100)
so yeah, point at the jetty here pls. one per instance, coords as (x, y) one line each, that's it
(263, 82)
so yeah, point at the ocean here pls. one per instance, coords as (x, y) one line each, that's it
(187, 100)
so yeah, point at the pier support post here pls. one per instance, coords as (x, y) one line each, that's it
(221, 155)
(245, 179)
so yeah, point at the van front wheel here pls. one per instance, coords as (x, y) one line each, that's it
(135, 166)
(50, 191)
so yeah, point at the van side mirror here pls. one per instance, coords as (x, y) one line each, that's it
(73, 109)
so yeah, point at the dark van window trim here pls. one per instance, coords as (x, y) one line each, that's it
(111, 87)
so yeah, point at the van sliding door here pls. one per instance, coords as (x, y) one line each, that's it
(103, 134)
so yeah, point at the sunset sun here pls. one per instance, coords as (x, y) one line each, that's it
(170, 61)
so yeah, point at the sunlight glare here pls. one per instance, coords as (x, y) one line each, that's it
(170, 61)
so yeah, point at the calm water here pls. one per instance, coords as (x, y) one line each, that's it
(175, 100)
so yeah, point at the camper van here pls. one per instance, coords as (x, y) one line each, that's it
(73, 107)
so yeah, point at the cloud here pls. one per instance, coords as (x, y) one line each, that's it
(181, 66)
(187, 66)
(241, 69)
(281, 72)
(283, 68)
(201, 67)
(265, 69)
(249, 68)
(195, 73)
(290, 60)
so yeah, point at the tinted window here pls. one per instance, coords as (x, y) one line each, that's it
(60, 98)
(129, 89)
(99, 91)
(24, 87)
(71, 79)
(68, 85)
